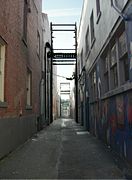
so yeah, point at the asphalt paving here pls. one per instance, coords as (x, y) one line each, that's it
(63, 150)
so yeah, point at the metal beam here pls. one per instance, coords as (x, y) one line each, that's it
(63, 64)
(64, 55)
(65, 83)
(64, 49)
(58, 58)
(51, 77)
(64, 60)
(76, 78)
(64, 93)
(63, 30)
(63, 24)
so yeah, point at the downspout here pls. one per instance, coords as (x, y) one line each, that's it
(39, 119)
(45, 87)
(51, 76)
(47, 46)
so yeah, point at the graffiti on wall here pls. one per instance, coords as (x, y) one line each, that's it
(120, 111)
(131, 56)
(130, 109)
(104, 112)
(112, 115)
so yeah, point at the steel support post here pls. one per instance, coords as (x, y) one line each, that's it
(76, 78)
(51, 77)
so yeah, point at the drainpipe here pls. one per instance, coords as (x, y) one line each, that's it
(51, 76)
(39, 119)
(47, 46)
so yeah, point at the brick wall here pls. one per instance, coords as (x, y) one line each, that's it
(20, 56)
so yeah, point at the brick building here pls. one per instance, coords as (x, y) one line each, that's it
(21, 56)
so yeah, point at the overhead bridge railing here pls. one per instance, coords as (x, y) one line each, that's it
(64, 58)
(64, 55)
(64, 27)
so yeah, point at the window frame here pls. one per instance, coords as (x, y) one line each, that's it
(93, 79)
(118, 74)
(106, 72)
(123, 57)
(92, 28)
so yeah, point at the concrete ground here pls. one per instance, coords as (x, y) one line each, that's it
(64, 150)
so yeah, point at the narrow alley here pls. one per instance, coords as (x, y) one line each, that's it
(63, 150)
(65, 89)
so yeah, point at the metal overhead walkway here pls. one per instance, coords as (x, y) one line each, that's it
(64, 57)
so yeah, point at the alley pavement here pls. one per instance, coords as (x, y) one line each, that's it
(64, 150)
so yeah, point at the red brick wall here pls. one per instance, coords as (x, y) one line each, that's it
(19, 57)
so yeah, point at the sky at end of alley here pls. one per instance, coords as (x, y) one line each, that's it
(63, 12)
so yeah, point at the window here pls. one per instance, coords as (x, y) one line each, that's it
(123, 58)
(25, 20)
(92, 28)
(29, 87)
(93, 84)
(115, 61)
(106, 73)
(113, 56)
(87, 41)
(98, 7)
(113, 67)
(122, 44)
(2, 70)
(38, 44)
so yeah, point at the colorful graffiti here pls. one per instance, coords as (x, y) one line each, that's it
(130, 109)
(111, 121)
(112, 116)
(120, 111)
